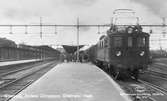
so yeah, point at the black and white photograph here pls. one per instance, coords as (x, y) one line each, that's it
(83, 50)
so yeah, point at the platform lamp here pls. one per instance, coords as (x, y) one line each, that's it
(150, 31)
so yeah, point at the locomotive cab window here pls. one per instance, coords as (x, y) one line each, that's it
(141, 41)
(130, 41)
(117, 41)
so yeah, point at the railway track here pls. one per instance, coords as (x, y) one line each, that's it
(19, 69)
(143, 91)
(162, 90)
(156, 79)
(150, 90)
(5, 82)
(155, 85)
(10, 87)
(5, 69)
(157, 74)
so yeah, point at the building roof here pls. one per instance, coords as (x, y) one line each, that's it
(7, 43)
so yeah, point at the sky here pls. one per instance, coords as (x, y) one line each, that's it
(67, 12)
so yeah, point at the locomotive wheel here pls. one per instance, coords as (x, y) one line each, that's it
(108, 68)
(100, 64)
(111, 70)
(136, 74)
(136, 77)
(117, 75)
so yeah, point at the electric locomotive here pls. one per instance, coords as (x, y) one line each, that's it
(124, 51)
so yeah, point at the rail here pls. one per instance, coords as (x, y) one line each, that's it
(8, 82)
(162, 90)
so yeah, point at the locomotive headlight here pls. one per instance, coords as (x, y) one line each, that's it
(142, 53)
(118, 53)
(130, 30)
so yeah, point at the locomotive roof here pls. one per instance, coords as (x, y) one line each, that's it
(125, 34)
(123, 30)
(102, 37)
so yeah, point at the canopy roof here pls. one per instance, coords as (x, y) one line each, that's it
(71, 49)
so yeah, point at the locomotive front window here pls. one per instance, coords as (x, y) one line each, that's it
(130, 41)
(117, 41)
(141, 41)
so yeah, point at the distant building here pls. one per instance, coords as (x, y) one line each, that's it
(7, 43)
(61, 50)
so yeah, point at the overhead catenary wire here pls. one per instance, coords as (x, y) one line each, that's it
(41, 25)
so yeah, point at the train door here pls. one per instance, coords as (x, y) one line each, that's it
(117, 49)
(143, 48)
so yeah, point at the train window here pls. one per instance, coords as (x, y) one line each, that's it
(105, 43)
(130, 41)
(141, 41)
(98, 44)
(101, 44)
(117, 41)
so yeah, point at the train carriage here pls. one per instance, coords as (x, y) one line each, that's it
(91, 53)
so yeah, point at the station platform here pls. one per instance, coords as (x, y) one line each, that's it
(7, 63)
(73, 82)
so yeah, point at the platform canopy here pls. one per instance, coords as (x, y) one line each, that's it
(71, 49)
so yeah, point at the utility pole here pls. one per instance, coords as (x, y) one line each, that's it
(41, 27)
(160, 46)
(77, 39)
(11, 29)
(163, 26)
